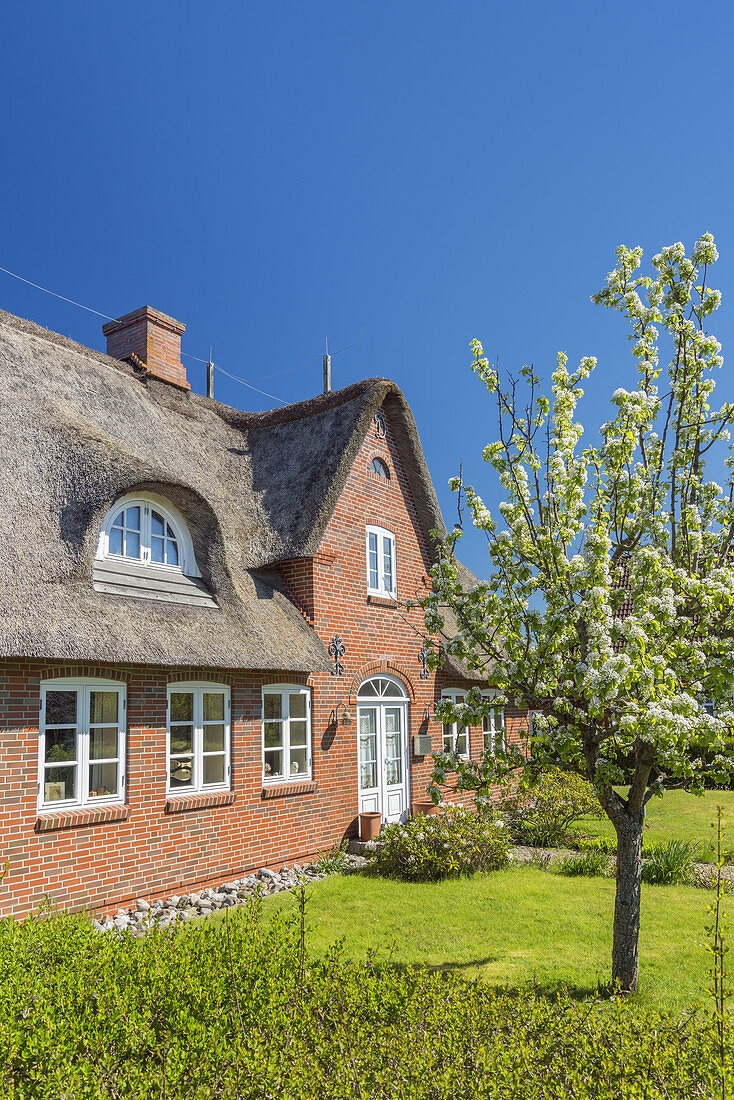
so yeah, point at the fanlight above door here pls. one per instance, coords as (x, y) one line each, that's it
(381, 688)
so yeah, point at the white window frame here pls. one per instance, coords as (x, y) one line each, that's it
(284, 690)
(381, 533)
(453, 695)
(490, 729)
(148, 502)
(198, 688)
(83, 686)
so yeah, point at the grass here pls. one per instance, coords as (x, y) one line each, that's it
(680, 816)
(514, 927)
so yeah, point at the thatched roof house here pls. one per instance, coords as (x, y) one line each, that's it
(81, 429)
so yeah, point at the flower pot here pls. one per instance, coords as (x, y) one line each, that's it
(423, 809)
(369, 826)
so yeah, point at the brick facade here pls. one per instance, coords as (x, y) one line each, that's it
(156, 845)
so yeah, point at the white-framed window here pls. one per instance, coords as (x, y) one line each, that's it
(81, 760)
(494, 730)
(198, 750)
(381, 574)
(455, 736)
(146, 529)
(286, 732)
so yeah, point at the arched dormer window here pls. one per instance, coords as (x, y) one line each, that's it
(147, 529)
(144, 533)
(145, 550)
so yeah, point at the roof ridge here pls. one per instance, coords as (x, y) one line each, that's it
(240, 418)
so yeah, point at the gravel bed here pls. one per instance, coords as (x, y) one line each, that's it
(176, 910)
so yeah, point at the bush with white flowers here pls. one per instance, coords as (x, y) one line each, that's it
(450, 843)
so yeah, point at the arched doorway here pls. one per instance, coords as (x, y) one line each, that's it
(384, 761)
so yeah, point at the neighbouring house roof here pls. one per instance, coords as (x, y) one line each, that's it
(80, 429)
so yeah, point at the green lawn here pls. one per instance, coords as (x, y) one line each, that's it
(683, 816)
(514, 926)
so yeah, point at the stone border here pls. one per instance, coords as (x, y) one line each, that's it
(176, 910)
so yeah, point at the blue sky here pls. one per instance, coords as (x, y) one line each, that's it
(273, 174)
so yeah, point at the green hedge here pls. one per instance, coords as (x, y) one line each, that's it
(233, 1010)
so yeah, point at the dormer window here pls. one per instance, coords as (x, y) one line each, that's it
(145, 550)
(145, 533)
(380, 468)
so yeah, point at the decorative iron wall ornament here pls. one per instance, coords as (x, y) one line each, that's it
(423, 658)
(337, 649)
(380, 425)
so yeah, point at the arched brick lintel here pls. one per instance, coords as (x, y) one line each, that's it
(84, 670)
(387, 667)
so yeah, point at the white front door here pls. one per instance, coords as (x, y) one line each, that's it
(382, 718)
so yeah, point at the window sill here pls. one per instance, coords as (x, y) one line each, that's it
(48, 821)
(381, 601)
(283, 790)
(198, 800)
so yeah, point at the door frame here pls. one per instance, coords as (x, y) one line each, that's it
(376, 797)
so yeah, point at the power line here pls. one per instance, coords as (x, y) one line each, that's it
(248, 384)
(53, 292)
(187, 354)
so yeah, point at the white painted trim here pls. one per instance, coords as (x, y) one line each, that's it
(452, 693)
(381, 532)
(83, 686)
(187, 564)
(283, 690)
(492, 693)
(197, 689)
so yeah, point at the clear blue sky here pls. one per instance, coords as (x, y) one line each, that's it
(274, 173)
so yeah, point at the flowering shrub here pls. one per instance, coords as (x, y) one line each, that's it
(542, 816)
(453, 842)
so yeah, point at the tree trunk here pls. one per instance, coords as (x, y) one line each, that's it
(625, 955)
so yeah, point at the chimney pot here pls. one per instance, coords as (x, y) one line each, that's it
(154, 338)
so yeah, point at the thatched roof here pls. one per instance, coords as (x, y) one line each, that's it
(80, 430)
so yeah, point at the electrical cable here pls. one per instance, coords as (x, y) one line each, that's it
(187, 354)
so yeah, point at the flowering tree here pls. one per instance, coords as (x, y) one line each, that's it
(609, 608)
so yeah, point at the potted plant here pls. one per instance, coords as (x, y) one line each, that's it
(423, 808)
(369, 826)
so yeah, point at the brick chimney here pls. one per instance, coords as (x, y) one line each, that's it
(151, 337)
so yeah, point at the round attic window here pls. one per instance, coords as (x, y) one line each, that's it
(380, 468)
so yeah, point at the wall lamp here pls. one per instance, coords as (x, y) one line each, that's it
(345, 719)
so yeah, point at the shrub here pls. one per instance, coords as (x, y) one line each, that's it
(333, 860)
(453, 842)
(592, 864)
(669, 863)
(241, 1011)
(606, 844)
(542, 815)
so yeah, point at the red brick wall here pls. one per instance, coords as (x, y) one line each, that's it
(154, 852)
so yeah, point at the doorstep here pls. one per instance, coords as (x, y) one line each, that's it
(362, 847)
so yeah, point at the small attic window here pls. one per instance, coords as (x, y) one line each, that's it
(145, 551)
(380, 468)
(145, 529)
(144, 532)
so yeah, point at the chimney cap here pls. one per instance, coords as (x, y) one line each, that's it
(144, 312)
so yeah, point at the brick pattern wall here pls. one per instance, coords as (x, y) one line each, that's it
(154, 338)
(157, 846)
